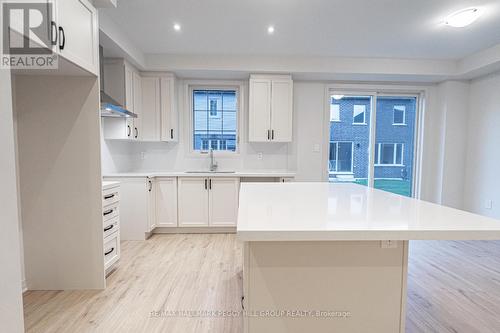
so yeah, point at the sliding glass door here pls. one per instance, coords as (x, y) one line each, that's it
(372, 140)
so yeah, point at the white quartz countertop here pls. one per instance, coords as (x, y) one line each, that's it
(256, 174)
(109, 184)
(323, 211)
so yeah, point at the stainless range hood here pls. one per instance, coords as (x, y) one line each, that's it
(110, 107)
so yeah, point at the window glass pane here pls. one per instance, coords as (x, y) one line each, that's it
(214, 119)
(334, 112)
(344, 155)
(399, 114)
(349, 143)
(395, 171)
(399, 153)
(359, 114)
(387, 152)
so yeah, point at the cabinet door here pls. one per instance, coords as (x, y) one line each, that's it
(223, 201)
(151, 201)
(78, 20)
(259, 113)
(134, 208)
(137, 102)
(169, 121)
(281, 110)
(166, 202)
(150, 110)
(193, 202)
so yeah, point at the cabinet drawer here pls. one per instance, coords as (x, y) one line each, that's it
(111, 226)
(110, 196)
(110, 212)
(111, 249)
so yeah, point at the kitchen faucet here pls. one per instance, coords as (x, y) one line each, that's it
(213, 164)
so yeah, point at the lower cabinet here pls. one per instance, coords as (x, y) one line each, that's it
(206, 202)
(166, 202)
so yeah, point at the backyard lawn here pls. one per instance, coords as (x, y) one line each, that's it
(401, 187)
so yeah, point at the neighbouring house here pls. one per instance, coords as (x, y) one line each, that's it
(350, 118)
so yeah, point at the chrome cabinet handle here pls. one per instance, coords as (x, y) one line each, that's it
(62, 38)
(110, 251)
(150, 186)
(171, 133)
(109, 228)
(136, 132)
(108, 212)
(210, 184)
(272, 134)
(206, 187)
(53, 33)
(129, 131)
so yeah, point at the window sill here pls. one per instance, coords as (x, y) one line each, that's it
(362, 124)
(399, 124)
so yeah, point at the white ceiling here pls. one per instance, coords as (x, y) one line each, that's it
(342, 28)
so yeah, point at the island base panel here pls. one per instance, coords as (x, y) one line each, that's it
(359, 286)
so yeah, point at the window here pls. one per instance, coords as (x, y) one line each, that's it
(359, 114)
(399, 115)
(341, 157)
(215, 119)
(334, 112)
(389, 154)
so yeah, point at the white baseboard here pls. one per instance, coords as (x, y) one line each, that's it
(194, 230)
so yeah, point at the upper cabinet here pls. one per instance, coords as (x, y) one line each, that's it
(124, 84)
(270, 108)
(149, 95)
(77, 33)
(169, 117)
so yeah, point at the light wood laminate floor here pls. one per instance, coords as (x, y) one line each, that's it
(452, 287)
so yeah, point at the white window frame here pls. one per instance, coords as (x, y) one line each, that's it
(404, 115)
(337, 152)
(364, 115)
(334, 120)
(215, 86)
(378, 147)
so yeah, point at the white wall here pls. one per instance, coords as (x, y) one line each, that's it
(123, 156)
(11, 306)
(311, 130)
(482, 181)
(454, 104)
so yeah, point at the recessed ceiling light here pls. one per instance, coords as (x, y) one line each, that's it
(177, 27)
(463, 17)
(270, 30)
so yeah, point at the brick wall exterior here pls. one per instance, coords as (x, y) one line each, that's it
(387, 132)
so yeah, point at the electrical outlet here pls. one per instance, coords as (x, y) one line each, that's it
(260, 156)
(388, 244)
(488, 204)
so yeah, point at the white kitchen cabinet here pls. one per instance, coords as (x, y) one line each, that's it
(270, 108)
(169, 117)
(223, 201)
(124, 84)
(137, 207)
(76, 22)
(166, 202)
(208, 201)
(150, 111)
(193, 202)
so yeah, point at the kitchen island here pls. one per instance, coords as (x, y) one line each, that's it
(323, 257)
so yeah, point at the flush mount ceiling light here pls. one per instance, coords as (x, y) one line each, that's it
(462, 18)
(338, 97)
(270, 30)
(177, 27)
